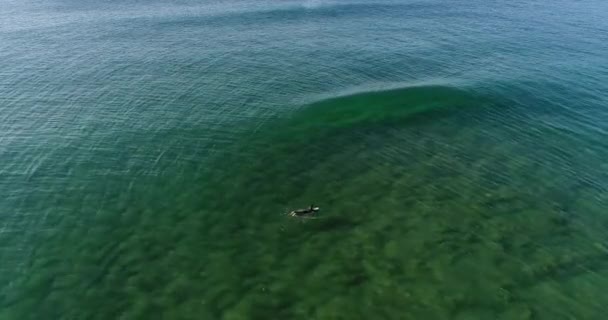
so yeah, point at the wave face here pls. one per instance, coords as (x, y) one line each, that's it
(149, 151)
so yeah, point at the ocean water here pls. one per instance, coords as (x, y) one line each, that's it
(149, 151)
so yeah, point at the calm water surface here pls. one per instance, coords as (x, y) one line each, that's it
(148, 151)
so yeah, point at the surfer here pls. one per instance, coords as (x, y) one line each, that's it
(307, 212)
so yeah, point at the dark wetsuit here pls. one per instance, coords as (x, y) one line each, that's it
(303, 212)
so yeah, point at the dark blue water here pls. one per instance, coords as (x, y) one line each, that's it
(457, 149)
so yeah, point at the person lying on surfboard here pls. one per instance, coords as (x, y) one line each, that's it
(304, 213)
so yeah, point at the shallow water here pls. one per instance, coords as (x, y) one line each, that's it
(150, 150)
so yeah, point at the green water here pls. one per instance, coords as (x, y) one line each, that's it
(150, 151)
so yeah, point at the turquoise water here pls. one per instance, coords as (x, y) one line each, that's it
(149, 151)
